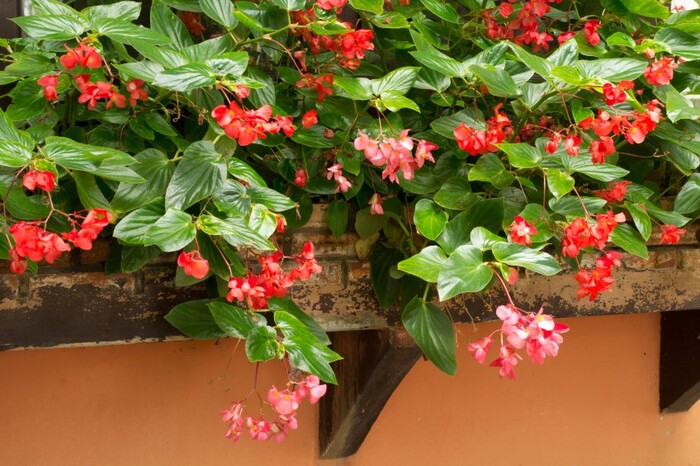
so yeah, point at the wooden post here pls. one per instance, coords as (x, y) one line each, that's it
(679, 365)
(374, 364)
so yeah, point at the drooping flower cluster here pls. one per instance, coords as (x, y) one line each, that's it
(590, 31)
(193, 264)
(580, 234)
(93, 224)
(336, 172)
(634, 126)
(323, 85)
(537, 333)
(36, 243)
(592, 282)
(395, 153)
(85, 57)
(247, 126)
(479, 142)
(525, 27)
(349, 48)
(615, 94)
(285, 403)
(271, 281)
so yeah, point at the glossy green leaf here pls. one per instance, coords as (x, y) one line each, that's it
(337, 215)
(522, 155)
(382, 261)
(172, 232)
(648, 8)
(287, 305)
(425, 265)
(261, 344)
(156, 169)
(200, 172)
(456, 194)
(220, 11)
(688, 199)
(270, 198)
(373, 6)
(132, 228)
(186, 77)
(54, 27)
(559, 183)
(630, 240)
(89, 193)
(498, 81)
(442, 10)
(432, 329)
(464, 272)
(194, 320)
(612, 69)
(233, 320)
(128, 33)
(14, 155)
(395, 102)
(242, 171)
(306, 351)
(484, 239)
(486, 213)
(122, 11)
(429, 218)
(518, 255)
(641, 218)
(489, 168)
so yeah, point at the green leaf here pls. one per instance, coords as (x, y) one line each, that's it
(498, 81)
(242, 171)
(89, 193)
(559, 183)
(156, 169)
(537, 64)
(73, 155)
(630, 240)
(679, 107)
(54, 27)
(429, 219)
(382, 261)
(681, 43)
(442, 10)
(233, 320)
(353, 88)
(373, 6)
(571, 205)
(313, 137)
(671, 218)
(306, 350)
(133, 258)
(425, 265)
(270, 198)
(518, 255)
(445, 126)
(489, 168)
(198, 175)
(621, 39)
(186, 77)
(641, 218)
(601, 171)
(287, 305)
(229, 64)
(132, 228)
(337, 214)
(400, 81)
(172, 232)
(429, 56)
(395, 102)
(367, 224)
(688, 199)
(522, 155)
(648, 8)
(128, 33)
(484, 239)
(160, 125)
(123, 11)
(612, 69)
(456, 194)
(220, 11)
(464, 272)
(487, 214)
(194, 320)
(261, 344)
(239, 234)
(433, 331)
(53, 7)
(13, 154)
(232, 199)
(164, 21)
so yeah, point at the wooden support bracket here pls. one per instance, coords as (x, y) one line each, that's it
(374, 364)
(679, 365)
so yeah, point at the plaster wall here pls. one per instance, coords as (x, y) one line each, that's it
(157, 404)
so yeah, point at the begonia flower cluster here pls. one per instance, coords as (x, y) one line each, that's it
(247, 126)
(285, 403)
(479, 142)
(536, 332)
(272, 281)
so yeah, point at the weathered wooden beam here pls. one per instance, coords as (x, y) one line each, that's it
(374, 364)
(679, 364)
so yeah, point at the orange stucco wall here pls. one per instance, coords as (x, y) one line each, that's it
(157, 404)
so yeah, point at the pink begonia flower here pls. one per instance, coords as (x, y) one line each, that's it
(480, 349)
(375, 203)
(258, 429)
(315, 388)
(284, 402)
(506, 361)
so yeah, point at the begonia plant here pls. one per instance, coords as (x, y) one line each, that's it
(467, 140)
